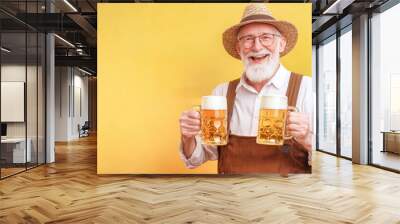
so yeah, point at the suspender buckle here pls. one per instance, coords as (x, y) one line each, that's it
(285, 148)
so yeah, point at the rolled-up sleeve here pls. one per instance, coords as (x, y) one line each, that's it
(200, 155)
(306, 101)
(306, 104)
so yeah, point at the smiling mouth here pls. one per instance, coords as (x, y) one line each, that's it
(259, 58)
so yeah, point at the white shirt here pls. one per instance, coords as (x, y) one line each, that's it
(244, 121)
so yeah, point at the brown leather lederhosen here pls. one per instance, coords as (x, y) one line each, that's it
(243, 155)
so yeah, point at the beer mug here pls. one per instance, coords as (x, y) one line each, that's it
(272, 120)
(213, 116)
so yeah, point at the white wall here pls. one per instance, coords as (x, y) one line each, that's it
(12, 73)
(62, 80)
(71, 87)
(81, 84)
(33, 127)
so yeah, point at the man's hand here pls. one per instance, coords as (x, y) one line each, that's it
(189, 123)
(298, 126)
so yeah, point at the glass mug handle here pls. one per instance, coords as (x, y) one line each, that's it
(292, 109)
(196, 108)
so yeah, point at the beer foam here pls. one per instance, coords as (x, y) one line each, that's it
(213, 103)
(276, 102)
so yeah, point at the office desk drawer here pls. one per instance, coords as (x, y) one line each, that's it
(391, 142)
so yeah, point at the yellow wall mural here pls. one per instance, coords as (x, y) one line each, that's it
(157, 60)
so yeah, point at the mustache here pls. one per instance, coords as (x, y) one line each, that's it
(258, 54)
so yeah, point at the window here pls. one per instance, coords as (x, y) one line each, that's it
(346, 93)
(22, 78)
(385, 89)
(326, 135)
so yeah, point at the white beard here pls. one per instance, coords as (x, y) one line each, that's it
(260, 72)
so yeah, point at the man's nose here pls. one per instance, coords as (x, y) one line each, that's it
(257, 46)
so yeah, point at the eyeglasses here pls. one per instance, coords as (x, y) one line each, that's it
(266, 39)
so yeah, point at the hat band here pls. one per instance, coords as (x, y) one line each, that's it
(255, 17)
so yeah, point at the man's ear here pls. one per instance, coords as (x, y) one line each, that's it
(282, 44)
(237, 46)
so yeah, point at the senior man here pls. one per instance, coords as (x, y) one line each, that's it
(259, 40)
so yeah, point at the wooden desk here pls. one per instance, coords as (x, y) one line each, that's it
(391, 141)
(16, 147)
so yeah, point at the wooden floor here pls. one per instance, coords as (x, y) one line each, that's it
(69, 191)
(10, 171)
(387, 159)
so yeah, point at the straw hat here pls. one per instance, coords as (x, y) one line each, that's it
(258, 13)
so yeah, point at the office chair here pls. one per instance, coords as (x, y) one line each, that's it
(84, 130)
